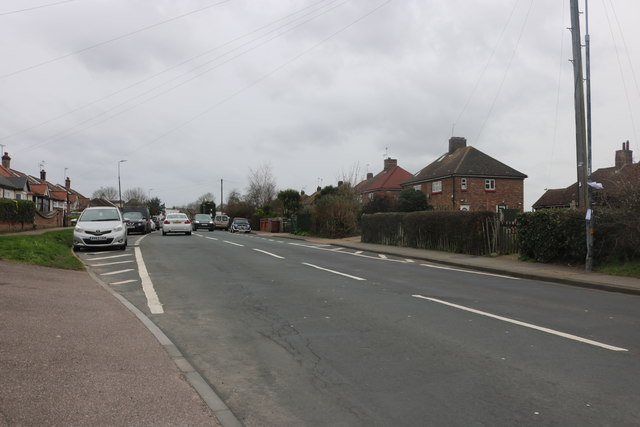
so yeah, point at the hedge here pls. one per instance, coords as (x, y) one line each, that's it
(17, 210)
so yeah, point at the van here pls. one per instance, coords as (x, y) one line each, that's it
(221, 222)
(142, 223)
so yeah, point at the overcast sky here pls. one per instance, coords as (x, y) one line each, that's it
(190, 92)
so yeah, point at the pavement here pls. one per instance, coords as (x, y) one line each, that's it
(74, 352)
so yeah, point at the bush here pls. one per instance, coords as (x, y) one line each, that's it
(17, 210)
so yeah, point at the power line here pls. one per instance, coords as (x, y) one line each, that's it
(120, 37)
(193, 58)
(11, 12)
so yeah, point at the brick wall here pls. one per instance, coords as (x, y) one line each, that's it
(509, 192)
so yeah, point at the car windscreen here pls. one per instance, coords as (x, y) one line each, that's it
(133, 215)
(203, 217)
(99, 215)
(241, 221)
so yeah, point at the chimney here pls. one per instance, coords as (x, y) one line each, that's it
(389, 163)
(340, 183)
(43, 174)
(319, 188)
(302, 192)
(6, 161)
(456, 142)
(624, 157)
(67, 183)
(369, 175)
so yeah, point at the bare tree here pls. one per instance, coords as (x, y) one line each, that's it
(195, 206)
(107, 193)
(353, 176)
(262, 186)
(137, 194)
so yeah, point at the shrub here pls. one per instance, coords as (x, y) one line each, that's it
(17, 210)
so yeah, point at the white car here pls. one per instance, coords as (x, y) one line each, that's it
(176, 223)
(100, 227)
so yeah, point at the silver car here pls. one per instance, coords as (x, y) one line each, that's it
(100, 227)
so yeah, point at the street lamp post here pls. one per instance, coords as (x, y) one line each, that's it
(120, 188)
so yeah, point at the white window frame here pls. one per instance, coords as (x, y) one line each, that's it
(417, 187)
(436, 187)
(490, 185)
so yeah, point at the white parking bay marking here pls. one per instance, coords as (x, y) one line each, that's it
(526, 325)
(468, 271)
(111, 273)
(232, 243)
(109, 257)
(269, 253)
(123, 282)
(110, 263)
(147, 286)
(334, 272)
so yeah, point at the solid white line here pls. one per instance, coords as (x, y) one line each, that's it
(526, 325)
(109, 257)
(383, 256)
(147, 286)
(110, 263)
(123, 282)
(232, 243)
(358, 252)
(111, 273)
(334, 272)
(469, 271)
(409, 260)
(336, 249)
(269, 253)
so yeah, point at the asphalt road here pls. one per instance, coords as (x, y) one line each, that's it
(295, 333)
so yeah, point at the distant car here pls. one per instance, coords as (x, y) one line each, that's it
(203, 221)
(240, 225)
(222, 222)
(144, 211)
(176, 223)
(157, 221)
(136, 223)
(100, 227)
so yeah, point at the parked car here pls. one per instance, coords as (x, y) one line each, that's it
(176, 223)
(157, 220)
(100, 227)
(222, 222)
(203, 221)
(240, 225)
(144, 211)
(136, 223)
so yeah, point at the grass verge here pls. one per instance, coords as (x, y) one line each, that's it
(631, 269)
(50, 249)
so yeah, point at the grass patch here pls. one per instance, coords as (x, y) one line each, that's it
(630, 269)
(50, 249)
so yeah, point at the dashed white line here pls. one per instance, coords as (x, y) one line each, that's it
(268, 253)
(526, 325)
(211, 238)
(232, 243)
(334, 272)
(468, 271)
(409, 260)
(111, 273)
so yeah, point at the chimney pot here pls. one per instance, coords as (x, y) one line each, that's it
(43, 175)
(624, 157)
(67, 183)
(389, 163)
(369, 175)
(456, 142)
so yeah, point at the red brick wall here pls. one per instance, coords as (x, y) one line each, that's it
(509, 192)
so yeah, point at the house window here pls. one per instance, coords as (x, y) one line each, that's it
(18, 196)
(417, 187)
(463, 183)
(436, 187)
(490, 184)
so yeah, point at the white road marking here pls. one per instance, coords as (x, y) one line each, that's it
(111, 273)
(338, 249)
(526, 325)
(153, 302)
(334, 272)
(211, 238)
(110, 263)
(469, 271)
(383, 256)
(269, 253)
(409, 260)
(109, 257)
(232, 243)
(358, 252)
(123, 282)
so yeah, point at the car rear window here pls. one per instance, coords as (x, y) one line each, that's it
(176, 216)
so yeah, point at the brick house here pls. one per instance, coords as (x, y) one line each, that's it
(613, 179)
(386, 183)
(465, 178)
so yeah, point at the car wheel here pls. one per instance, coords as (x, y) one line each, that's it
(188, 233)
(164, 233)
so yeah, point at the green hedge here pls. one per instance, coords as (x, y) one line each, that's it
(17, 210)
(452, 231)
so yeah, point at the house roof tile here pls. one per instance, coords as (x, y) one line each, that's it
(389, 179)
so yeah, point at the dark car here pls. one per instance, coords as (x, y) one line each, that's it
(136, 223)
(240, 225)
(144, 213)
(203, 221)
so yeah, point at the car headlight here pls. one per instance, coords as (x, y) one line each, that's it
(79, 229)
(118, 228)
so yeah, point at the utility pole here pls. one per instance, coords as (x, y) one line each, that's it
(578, 89)
(221, 196)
